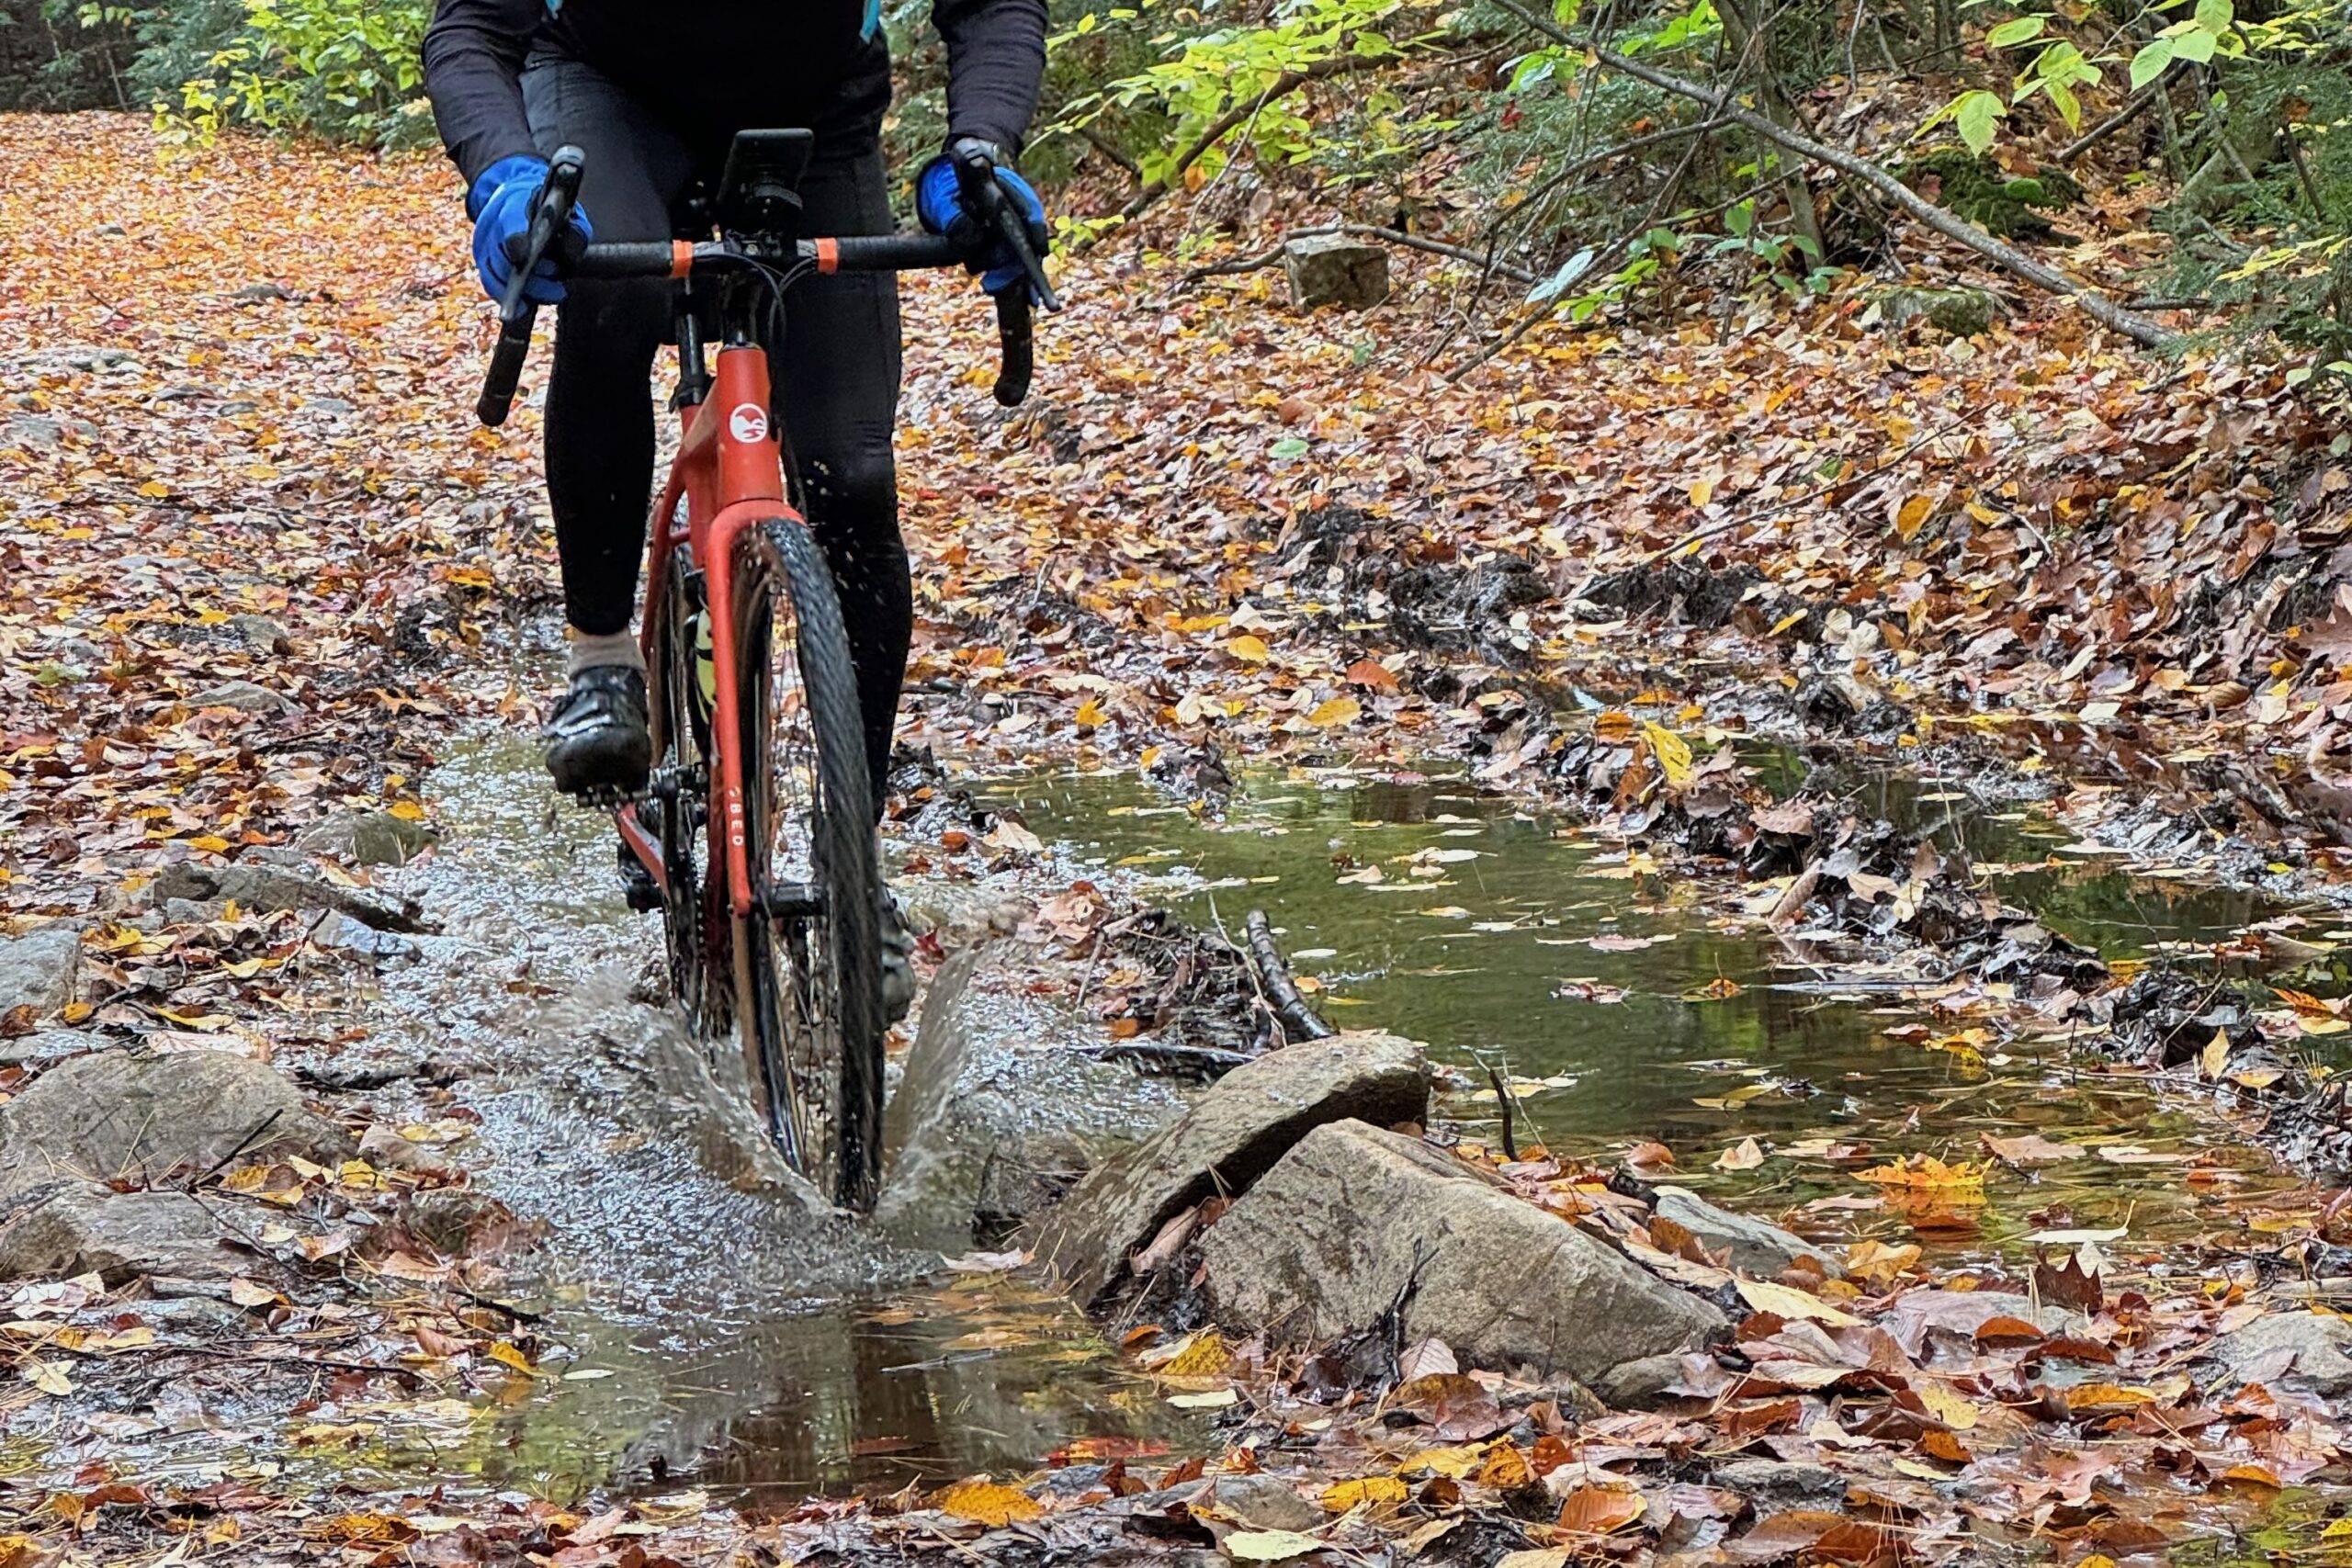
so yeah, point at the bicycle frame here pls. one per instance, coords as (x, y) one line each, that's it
(729, 475)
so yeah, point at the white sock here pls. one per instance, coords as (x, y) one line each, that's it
(618, 650)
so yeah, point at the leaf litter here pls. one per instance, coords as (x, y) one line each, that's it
(234, 612)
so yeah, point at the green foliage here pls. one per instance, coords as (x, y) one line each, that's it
(347, 69)
(1231, 84)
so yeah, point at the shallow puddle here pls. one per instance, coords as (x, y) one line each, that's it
(1624, 1006)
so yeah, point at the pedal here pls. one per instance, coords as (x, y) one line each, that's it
(638, 887)
(610, 797)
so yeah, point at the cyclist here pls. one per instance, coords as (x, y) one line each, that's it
(654, 95)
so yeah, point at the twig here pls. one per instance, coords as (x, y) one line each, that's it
(2094, 304)
(1096, 141)
(2133, 108)
(1299, 1021)
(1502, 1098)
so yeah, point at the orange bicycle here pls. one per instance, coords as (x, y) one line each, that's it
(755, 835)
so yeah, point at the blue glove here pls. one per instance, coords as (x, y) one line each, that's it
(500, 204)
(939, 203)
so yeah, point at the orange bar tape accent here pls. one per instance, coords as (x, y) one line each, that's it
(681, 257)
(829, 256)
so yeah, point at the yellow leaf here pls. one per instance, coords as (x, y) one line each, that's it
(408, 811)
(1339, 710)
(506, 1355)
(1946, 1406)
(1375, 1491)
(1248, 649)
(985, 1503)
(2216, 1054)
(1786, 1301)
(1204, 1355)
(1912, 513)
(1267, 1546)
(48, 1376)
(211, 844)
(1746, 1156)
(1926, 1171)
(155, 489)
(1673, 753)
(1090, 714)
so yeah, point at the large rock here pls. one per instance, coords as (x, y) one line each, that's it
(38, 969)
(1229, 1137)
(1329, 1240)
(1756, 1248)
(78, 1227)
(123, 1114)
(2295, 1349)
(1327, 269)
(263, 890)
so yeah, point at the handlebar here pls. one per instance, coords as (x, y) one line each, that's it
(517, 313)
(682, 259)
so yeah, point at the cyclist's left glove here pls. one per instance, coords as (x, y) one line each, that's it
(500, 204)
(939, 203)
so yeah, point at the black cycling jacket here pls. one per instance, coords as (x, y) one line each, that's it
(724, 66)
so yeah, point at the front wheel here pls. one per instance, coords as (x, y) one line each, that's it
(808, 959)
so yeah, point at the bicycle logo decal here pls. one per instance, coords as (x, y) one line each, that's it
(749, 423)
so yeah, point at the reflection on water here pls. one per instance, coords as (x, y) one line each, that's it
(1622, 1001)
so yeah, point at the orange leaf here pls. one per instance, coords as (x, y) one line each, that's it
(985, 1503)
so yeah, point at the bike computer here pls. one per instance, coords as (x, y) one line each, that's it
(759, 189)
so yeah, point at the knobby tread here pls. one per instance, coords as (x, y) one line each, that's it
(846, 852)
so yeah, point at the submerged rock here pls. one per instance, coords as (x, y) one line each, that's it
(1755, 1246)
(1229, 1137)
(1356, 1222)
(79, 1227)
(368, 837)
(119, 1114)
(2295, 1349)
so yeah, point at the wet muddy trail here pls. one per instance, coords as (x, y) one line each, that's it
(697, 1321)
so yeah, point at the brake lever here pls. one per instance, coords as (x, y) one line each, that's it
(976, 174)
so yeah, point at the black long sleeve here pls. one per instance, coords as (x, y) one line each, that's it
(722, 66)
(996, 58)
(473, 56)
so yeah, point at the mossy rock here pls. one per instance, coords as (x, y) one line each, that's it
(1963, 312)
(1980, 190)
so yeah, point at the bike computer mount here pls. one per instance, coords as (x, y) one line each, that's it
(758, 188)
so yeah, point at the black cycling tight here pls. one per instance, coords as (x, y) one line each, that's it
(836, 379)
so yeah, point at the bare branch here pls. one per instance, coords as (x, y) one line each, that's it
(2097, 306)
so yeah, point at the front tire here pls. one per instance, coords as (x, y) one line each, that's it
(808, 960)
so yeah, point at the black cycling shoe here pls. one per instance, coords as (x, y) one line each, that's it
(597, 740)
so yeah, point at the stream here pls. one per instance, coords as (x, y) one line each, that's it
(708, 1326)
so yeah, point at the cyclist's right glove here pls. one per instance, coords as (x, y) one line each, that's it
(940, 204)
(500, 204)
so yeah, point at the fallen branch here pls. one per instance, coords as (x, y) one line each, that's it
(2133, 108)
(2095, 305)
(1299, 1020)
(1209, 1060)
(1287, 82)
(1359, 231)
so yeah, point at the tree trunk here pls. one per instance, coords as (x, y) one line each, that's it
(1751, 40)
